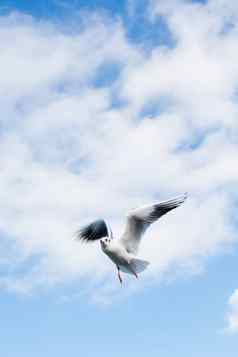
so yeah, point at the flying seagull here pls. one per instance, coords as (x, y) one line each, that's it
(123, 251)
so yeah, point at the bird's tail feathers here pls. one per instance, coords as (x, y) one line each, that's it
(136, 266)
(139, 265)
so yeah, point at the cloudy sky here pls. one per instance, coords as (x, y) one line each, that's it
(106, 105)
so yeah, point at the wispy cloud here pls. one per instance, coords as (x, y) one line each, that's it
(74, 148)
(232, 315)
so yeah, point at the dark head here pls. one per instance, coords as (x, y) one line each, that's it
(105, 242)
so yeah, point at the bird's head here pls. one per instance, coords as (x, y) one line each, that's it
(105, 242)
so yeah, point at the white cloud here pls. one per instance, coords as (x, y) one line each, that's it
(232, 315)
(73, 149)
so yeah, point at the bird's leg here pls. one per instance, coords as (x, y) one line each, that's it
(133, 272)
(119, 275)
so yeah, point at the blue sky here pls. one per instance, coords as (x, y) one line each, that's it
(182, 317)
(106, 105)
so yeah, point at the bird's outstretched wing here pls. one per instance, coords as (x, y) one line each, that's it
(141, 218)
(93, 231)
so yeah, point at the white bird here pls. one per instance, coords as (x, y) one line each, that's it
(123, 251)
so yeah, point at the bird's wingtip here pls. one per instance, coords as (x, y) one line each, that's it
(182, 198)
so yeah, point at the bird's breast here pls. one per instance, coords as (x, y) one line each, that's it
(117, 254)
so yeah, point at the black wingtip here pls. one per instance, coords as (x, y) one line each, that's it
(180, 199)
(92, 232)
(183, 197)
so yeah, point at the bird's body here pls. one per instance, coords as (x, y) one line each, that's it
(123, 251)
(116, 252)
(126, 262)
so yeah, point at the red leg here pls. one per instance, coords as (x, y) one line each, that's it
(134, 273)
(119, 275)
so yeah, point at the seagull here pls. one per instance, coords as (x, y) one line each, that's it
(123, 251)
